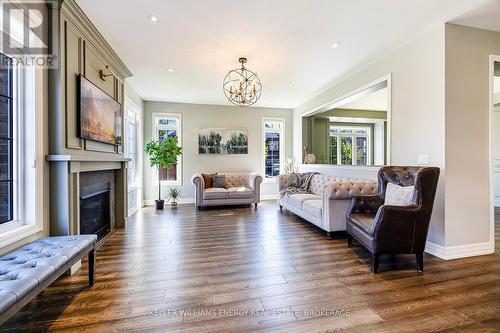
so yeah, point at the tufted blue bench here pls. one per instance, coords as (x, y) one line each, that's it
(25, 272)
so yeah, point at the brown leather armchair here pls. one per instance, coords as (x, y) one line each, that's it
(385, 229)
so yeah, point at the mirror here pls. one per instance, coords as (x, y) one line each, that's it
(353, 131)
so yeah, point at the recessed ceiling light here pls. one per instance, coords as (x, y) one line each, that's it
(170, 70)
(154, 18)
(335, 45)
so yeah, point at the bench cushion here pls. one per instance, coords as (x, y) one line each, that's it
(24, 269)
(6, 301)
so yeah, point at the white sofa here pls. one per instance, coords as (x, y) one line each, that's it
(241, 189)
(326, 205)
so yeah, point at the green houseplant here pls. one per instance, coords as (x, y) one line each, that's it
(163, 154)
(173, 194)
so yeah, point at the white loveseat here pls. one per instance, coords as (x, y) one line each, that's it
(326, 205)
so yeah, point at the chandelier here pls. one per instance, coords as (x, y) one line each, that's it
(241, 86)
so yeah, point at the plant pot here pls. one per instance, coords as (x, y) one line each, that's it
(173, 205)
(159, 204)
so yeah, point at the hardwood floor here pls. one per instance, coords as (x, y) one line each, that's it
(236, 269)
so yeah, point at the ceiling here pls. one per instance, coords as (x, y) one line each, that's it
(287, 42)
(376, 101)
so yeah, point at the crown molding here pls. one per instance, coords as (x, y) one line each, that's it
(71, 9)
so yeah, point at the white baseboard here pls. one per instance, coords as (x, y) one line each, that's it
(459, 251)
(269, 197)
(181, 201)
(496, 201)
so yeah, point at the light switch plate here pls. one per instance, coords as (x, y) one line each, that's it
(423, 159)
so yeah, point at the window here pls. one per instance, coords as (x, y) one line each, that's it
(132, 125)
(350, 145)
(273, 138)
(6, 142)
(22, 154)
(167, 125)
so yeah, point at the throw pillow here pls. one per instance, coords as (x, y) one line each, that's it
(396, 195)
(208, 179)
(219, 181)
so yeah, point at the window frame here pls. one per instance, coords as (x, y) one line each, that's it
(9, 138)
(353, 136)
(281, 131)
(178, 128)
(132, 110)
(28, 155)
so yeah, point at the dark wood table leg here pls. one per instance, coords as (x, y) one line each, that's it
(92, 267)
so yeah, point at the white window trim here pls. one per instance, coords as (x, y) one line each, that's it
(137, 184)
(353, 136)
(28, 170)
(263, 147)
(155, 116)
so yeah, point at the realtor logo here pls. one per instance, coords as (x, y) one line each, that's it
(25, 27)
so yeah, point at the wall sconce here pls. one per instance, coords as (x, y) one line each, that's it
(103, 75)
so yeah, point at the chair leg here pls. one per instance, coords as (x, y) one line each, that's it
(256, 206)
(199, 207)
(349, 240)
(374, 263)
(420, 261)
(281, 208)
(91, 267)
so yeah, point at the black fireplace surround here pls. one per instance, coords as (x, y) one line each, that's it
(95, 213)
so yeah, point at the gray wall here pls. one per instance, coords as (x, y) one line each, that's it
(195, 116)
(418, 118)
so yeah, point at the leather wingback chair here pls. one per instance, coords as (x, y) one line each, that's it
(386, 229)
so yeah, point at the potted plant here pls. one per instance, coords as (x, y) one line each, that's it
(163, 154)
(173, 194)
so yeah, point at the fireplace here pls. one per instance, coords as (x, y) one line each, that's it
(95, 213)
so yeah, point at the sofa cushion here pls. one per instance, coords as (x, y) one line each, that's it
(364, 221)
(313, 207)
(215, 193)
(219, 181)
(240, 192)
(208, 179)
(297, 200)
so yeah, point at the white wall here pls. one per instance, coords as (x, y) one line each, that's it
(196, 116)
(418, 118)
(468, 212)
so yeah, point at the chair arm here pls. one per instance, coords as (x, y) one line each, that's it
(254, 181)
(283, 181)
(395, 228)
(365, 204)
(199, 186)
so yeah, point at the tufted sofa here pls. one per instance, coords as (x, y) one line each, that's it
(25, 272)
(326, 205)
(241, 189)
